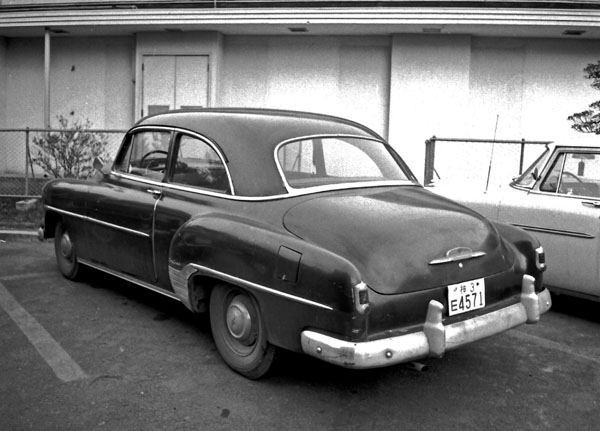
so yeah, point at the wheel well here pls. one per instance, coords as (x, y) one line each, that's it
(50, 221)
(200, 288)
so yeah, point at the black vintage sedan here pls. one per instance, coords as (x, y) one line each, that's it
(297, 231)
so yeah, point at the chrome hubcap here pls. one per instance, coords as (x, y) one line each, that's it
(66, 247)
(239, 321)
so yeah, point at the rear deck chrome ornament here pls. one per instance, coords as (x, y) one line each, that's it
(457, 254)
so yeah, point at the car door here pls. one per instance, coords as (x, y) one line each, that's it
(563, 211)
(197, 183)
(122, 212)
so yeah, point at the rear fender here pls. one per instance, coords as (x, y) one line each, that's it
(296, 284)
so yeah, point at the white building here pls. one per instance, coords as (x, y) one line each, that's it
(407, 69)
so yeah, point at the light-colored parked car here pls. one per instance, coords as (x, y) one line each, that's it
(557, 199)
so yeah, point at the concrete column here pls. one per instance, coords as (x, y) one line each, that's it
(47, 78)
(3, 79)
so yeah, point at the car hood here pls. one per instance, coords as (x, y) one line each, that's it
(394, 236)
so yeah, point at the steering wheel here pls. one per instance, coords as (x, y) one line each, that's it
(562, 188)
(572, 175)
(153, 162)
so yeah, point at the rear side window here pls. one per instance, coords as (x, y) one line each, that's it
(197, 164)
(145, 154)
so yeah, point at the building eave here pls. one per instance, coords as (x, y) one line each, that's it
(484, 21)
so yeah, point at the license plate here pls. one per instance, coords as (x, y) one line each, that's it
(466, 296)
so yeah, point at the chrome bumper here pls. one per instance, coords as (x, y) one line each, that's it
(434, 339)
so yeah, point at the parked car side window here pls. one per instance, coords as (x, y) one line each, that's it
(528, 178)
(145, 154)
(574, 174)
(197, 164)
(332, 160)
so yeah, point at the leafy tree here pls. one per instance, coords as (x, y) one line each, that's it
(588, 121)
(69, 151)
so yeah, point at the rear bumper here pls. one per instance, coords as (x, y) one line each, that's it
(434, 339)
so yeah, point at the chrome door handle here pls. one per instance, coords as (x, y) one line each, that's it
(594, 204)
(157, 194)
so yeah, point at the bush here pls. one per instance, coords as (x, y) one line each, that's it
(69, 151)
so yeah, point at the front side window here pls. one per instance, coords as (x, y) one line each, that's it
(145, 154)
(574, 174)
(197, 164)
(337, 160)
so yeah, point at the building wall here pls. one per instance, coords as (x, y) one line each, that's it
(405, 87)
(93, 78)
(24, 83)
(348, 77)
(90, 78)
(466, 87)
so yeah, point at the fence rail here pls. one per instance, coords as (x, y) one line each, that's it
(19, 175)
(477, 160)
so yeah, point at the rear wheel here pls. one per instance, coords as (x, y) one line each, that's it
(65, 251)
(239, 332)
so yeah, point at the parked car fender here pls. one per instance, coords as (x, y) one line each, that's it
(530, 255)
(274, 266)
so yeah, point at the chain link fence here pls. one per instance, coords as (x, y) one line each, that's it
(481, 163)
(19, 175)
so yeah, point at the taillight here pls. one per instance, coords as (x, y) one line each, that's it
(361, 297)
(540, 258)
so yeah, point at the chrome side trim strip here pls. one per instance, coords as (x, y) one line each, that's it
(192, 268)
(100, 222)
(291, 194)
(69, 213)
(555, 231)
(129, 278)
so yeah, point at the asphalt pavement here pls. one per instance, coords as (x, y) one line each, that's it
(107, 355)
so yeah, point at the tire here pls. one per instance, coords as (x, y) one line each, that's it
(66, 255)
(239, 332)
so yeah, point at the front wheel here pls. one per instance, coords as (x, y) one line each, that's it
(239, 332)
(64, 248)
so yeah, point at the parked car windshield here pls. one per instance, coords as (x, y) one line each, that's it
(531, 175)
(323, 161)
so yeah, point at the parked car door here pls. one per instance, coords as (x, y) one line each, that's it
(196, 184)
(123, 206)
(563, 210)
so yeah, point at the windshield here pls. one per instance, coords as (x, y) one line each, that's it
(531, 175)
(320, 161)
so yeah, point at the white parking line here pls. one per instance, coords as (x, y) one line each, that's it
(30, 275)
(65, 368)
(553, 345)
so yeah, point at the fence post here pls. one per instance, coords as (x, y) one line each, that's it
(522, 156)
(27, 160)
(429, 160)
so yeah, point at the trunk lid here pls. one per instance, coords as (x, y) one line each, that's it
(396, 236)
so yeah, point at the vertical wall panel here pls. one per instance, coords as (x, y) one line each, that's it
(347, 77)
(429, 92)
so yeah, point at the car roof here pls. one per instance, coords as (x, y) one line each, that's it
(582, 142)
(248, 138)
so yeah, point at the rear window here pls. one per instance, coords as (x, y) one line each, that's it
(337, 160)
